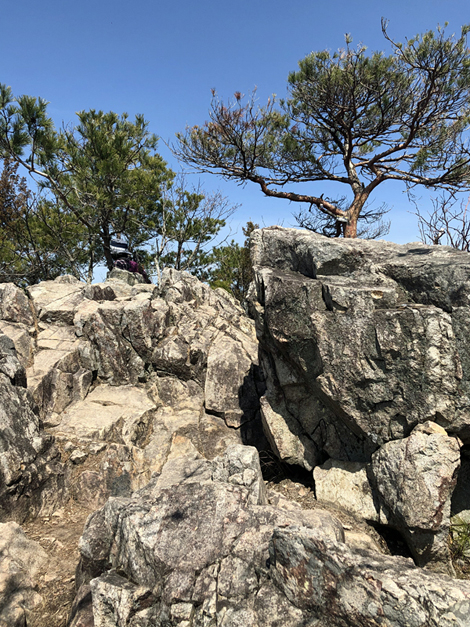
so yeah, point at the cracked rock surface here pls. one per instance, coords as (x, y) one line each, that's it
(361, 340)
(200, 545)
(364, 344)
(101, 385)
(123, 409)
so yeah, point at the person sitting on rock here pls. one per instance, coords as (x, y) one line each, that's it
(123, 258)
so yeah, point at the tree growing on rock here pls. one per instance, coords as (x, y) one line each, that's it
(231, 267)
(36, 241)
(105, 172)
(353, 119)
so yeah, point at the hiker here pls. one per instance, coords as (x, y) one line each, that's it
(123, 258)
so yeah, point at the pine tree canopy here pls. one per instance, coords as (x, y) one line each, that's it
(353, 118)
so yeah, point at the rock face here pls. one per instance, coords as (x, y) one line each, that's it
(132, 366)
(200, 546)
(364, 346)
(361, 340)
(414, 479)
(30, 473)
(342, 586)
(130, 403)
(21, 562)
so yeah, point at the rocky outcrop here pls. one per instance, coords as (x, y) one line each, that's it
(200, 546)
(130, 403)
(364, 347)
(362, 340)
(101, 385)
(132, 366)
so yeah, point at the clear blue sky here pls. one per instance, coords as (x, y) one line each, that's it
(161, 58)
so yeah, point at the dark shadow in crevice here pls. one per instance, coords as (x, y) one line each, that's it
(395, 542)
(275, 471)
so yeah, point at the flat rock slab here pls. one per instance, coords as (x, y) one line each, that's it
(345, 484)
(108, 413)
(57, 338)
(56, 301)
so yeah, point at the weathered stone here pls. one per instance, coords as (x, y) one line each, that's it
(131, 278)
(9, 362)
(30, 476)
(103, 347)
(21, 336)
(229, 391)
(212, 505)
(14, 305)
(116, 414)
(117, 601)
(56, 301)
(21, 562)
(362, 340)
(346, 485)
(144, 322)
(414, 479)
(286, 436)
(341, 586)
(56, 378)
(82, 609)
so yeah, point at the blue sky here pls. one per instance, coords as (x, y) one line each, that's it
(162, 58)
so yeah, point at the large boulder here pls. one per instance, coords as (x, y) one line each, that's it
(364, 345)
(199, 545)
(194, 545)
(342, 586)
(361, 340)
(414, 479)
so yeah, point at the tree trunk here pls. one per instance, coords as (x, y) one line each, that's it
(107, 248)
(350, 228)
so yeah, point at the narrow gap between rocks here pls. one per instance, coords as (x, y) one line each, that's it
(275, 471)
(395, 542)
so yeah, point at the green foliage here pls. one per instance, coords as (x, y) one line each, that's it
(102, 177)
(37, 242)
(353, 118)
(460, 538)
(104, 173)
(231, 267)
(187, 226)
